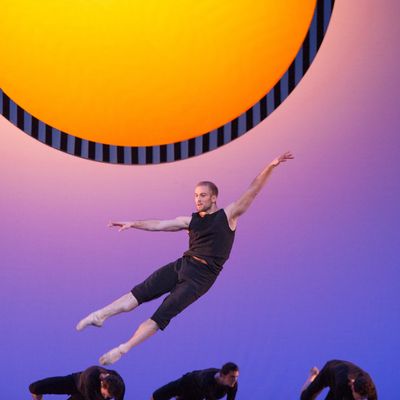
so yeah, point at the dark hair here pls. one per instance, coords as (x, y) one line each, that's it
(115, 385)
(363, 385)
(212, 186)
(229, 367)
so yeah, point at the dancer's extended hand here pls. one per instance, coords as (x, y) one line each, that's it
(313, 373)
(284, 157)
(122, 225)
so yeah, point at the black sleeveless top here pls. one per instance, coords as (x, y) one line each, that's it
(211, 239)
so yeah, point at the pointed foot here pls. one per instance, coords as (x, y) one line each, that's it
(92, 319)
(110, 357)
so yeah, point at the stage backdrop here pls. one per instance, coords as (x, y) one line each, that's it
(314, 273)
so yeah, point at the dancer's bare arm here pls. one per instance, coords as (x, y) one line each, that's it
(170, 225)
(311, 377)
(240, 206)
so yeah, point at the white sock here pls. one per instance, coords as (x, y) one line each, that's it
(113, 355)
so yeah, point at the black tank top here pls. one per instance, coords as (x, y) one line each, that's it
(211, 239)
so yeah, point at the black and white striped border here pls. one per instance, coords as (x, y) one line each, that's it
(180, 150)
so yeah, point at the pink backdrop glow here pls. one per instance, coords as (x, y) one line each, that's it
(314, 273)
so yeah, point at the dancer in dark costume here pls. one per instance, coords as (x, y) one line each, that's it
(211, 232)
(209, 384)
(94, 383)
(346, 381)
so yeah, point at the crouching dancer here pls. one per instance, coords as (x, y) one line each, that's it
(94, 383)
(346, 381)
(208, 384)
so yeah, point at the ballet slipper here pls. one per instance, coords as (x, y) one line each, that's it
(92, 319)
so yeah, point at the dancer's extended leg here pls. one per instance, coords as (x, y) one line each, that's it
(124, 304)
(147, 329)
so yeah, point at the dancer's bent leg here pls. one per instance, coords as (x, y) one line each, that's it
(124, 304)
(183, 294)
(147, 329)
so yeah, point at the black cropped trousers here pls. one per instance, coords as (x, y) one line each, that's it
(185, 279)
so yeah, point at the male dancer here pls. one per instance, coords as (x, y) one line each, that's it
(345, 380)
(94, 383)
(209, 384)
(211, 232)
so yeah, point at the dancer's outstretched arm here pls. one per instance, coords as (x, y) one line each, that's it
(170, 225)
(240, 206)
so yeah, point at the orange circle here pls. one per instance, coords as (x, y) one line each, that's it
(136, 73)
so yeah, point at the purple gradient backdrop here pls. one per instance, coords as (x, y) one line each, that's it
(314, 273)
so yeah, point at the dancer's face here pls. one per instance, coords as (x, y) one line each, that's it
(230, 379)
(356, 396)
(104, 392)
(203, 198)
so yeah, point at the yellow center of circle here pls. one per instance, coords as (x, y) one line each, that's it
(144, 73)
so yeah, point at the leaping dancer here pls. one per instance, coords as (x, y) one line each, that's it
(211, 235)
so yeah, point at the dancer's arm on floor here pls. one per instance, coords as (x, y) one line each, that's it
(315, 383)
(240, 206)
(231, 395)
(170, 225)
(168, 391)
